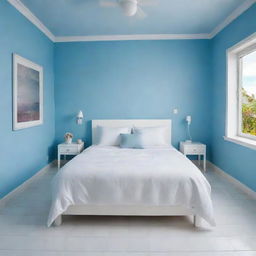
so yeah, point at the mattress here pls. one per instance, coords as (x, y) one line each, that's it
(158, 176)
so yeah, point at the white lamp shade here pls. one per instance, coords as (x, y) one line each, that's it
(79, 117)
(188, 119)
(80, 114)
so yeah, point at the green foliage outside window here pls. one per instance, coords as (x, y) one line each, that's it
(248, 113)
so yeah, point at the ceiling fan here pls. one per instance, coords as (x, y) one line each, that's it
(129, 7)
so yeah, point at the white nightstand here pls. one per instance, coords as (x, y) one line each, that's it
(194, 148)
(69, 149)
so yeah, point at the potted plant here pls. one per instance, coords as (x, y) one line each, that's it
(68, 137)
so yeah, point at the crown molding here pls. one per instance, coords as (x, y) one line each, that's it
(235, 14)
(130, 37)
(31, 17)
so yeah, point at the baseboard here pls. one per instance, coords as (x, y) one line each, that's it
(233, 180)
(26, 183)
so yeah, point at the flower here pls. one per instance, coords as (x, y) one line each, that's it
(68, 135)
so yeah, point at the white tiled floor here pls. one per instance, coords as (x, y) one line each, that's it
(23, 228)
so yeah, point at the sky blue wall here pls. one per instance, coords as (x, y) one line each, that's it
(24, 152)
(133, 79)
(234, 159)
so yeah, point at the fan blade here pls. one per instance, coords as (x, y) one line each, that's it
(108, 3)
(140, 13)
(148, 2)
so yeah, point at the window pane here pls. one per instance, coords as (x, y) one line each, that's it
(248, 94)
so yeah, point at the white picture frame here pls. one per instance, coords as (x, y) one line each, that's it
(27, 93)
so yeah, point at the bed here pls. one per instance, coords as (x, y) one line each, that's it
(109, 180)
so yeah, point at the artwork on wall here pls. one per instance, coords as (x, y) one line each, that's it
(27, 93)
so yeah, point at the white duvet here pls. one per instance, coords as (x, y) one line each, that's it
(115, 176)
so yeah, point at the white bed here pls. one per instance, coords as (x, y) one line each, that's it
(108, 180)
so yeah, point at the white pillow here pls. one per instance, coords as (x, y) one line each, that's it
(152, 136)
(110, 136)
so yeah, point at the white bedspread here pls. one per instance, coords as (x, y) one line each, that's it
(114, 176)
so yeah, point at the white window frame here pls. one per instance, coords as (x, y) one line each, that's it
(233, 93)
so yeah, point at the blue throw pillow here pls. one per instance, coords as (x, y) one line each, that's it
(130, 141)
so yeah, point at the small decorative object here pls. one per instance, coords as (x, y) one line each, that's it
(188, 120)
(79, 117)
(79, 141)
(27, 93)
(68, 137)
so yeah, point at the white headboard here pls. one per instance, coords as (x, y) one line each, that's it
(132, 123)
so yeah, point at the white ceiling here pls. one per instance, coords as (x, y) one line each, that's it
(85, 20)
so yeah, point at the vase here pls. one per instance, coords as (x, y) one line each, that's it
(68, 140)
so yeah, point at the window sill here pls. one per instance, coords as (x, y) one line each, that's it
(242, 141)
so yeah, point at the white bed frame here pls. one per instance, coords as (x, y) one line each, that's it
(131, 210)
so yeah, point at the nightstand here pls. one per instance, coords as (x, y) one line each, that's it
(194, 148)
(69, 149)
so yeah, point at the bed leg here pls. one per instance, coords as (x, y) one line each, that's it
(58, 221)
(197, 221)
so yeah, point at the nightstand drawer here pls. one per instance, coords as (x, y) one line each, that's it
(69, 150)
(194, 149)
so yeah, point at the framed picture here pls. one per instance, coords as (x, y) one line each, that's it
(27, 93)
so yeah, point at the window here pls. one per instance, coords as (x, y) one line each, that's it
(247, 94)
(241, 93)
